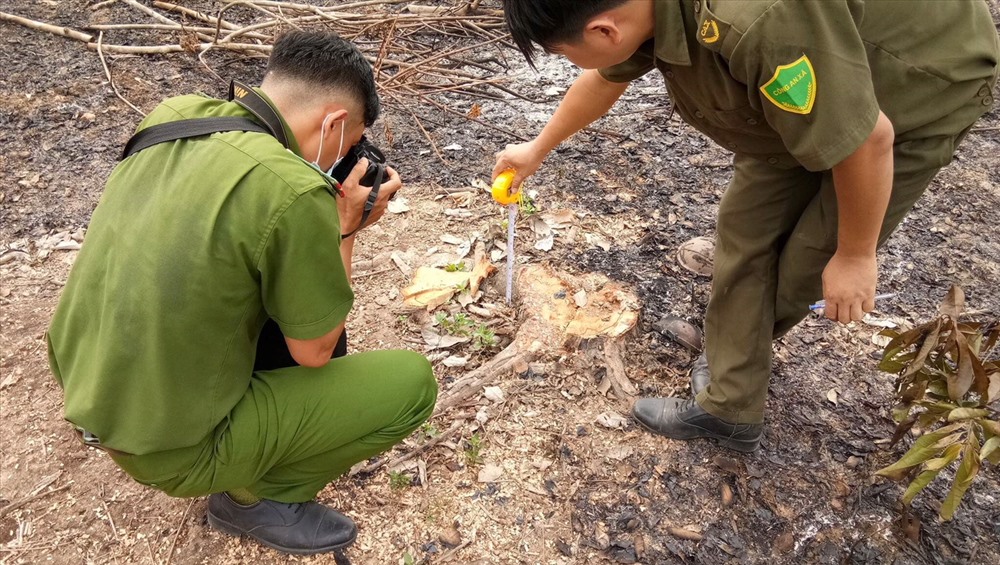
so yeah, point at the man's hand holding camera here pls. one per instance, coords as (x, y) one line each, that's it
(352, 205)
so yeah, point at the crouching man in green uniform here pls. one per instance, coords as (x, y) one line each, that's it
(194, 245)
(839, 114)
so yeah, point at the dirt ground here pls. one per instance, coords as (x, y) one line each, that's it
(570, 489)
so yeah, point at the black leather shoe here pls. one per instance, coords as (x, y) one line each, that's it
(684, 419)
(699, 375)
(304, 528)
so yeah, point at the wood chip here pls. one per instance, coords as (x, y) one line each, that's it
(684, 533)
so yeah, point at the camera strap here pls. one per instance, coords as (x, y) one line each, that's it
(246, 97)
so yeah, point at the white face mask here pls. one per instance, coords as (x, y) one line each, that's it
(319, 154)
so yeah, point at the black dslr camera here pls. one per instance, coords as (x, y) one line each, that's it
(364, 149)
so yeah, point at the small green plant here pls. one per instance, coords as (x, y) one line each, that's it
(947, 386)
(460, 324)
(408, 559)
(455, 267)
(398, 480)
(463, 287)
(527, 204)
(429, 431)
(473, 450)
(483, 337)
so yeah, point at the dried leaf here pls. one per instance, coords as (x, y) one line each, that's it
(954, 303)
(490, 473)
(559, 219)
(612, 420)
(728, 465)
(437, 341)
(923, 449)
(992, 445)
(482, 269)
(455, 361)
(598, 241)
(601, 536)
(961, 381)
(494, 394)
(620, 452)
(450, 537)
(540, 227)
(966, 414)
(67, 245)
(398, 205)
(453, 240)
(546, 243)
(930, 342)
(967, 471)
(832, 395)
(993, 392)
(475, 111)
(949, 455)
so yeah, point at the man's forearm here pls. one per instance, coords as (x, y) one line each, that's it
(863, 182)
(589, 98)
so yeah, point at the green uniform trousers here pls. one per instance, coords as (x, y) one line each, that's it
(777, 229)
(298, 428)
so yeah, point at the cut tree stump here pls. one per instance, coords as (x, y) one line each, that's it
(558, 312)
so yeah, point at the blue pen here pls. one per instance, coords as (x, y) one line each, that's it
(822, 303)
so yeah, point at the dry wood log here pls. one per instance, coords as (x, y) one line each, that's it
(41, 26)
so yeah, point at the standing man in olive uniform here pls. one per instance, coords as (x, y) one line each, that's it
(839, 114)
(195, 243)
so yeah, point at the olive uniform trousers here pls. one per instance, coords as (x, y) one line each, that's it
(777, 229)
(298, 428)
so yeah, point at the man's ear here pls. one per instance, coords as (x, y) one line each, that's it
(333, 117)
(603, 29)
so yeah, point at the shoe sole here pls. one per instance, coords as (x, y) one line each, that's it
(235, 531)
(741, 445)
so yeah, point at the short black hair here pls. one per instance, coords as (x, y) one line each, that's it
(326, 60)
(550, 22)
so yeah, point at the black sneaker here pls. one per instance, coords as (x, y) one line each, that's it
(684, 419)
(304, 528)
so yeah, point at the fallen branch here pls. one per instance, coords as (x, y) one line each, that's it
(614, 353)
(194, 14)
(40, 26)
(107, 73)
(471, 384)
(175, 48)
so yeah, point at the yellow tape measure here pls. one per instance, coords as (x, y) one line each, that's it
(501, 189)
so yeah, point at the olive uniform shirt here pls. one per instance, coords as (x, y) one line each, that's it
(195, 243)
(801, 82)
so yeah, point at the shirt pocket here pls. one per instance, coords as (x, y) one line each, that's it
(745, 120)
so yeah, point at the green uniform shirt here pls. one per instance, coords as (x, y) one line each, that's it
(193, 245)
(801, 82)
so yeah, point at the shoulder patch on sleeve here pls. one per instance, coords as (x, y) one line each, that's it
(793, 86)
